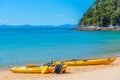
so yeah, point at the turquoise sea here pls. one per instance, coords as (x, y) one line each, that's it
(22, 46)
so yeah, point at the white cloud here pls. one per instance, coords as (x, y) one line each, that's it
(3, 21)
(66, 18)
(6, 21)
(61, 15)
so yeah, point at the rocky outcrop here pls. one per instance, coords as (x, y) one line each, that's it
(88, 28)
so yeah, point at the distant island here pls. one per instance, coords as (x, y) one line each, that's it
(102, 15)
(37, 26)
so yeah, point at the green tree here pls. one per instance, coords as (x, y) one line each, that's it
(115, 18)
(102, 13)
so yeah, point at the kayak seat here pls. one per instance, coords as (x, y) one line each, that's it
(31, 65)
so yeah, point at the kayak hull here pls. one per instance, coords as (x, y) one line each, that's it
(99, 61)
(35, 69)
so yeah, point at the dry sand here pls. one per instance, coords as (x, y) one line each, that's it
(96, 72)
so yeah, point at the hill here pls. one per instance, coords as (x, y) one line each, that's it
(103, 13)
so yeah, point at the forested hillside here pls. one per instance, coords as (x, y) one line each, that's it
(102, 13)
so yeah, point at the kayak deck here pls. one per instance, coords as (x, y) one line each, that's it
(42, 69)
(80, 62)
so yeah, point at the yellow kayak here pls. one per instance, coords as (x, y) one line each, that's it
(80, 62)
(37, 69)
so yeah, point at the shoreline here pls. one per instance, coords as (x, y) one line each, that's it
(94, 28)
(91, 72)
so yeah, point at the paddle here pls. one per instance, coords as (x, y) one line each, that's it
(44, 69)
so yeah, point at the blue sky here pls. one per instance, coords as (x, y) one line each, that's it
(42, 12)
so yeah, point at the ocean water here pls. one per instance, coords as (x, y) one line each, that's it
(23, 46)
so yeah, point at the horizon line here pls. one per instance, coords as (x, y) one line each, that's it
(35, 25)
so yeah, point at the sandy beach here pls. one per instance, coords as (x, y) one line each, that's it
(92, 72)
